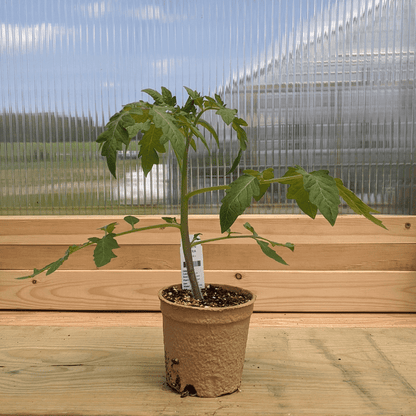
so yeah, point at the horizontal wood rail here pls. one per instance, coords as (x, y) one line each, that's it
(354, 266)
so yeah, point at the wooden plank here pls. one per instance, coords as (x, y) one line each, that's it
(401, 225)
(120, 371)
(297, 291)
(323, 255)
(154, 319)
(159, 237)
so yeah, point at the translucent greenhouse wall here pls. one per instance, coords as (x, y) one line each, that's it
(326, 84)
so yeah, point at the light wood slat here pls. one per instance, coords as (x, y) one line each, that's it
(280, 224)
(120, 371)
(173, 239)
(297, 291)
(154, 319)
(322, 256)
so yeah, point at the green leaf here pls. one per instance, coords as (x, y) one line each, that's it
(219, 100)
(249, 227)
(167, 97)
(169, 220)
(323, 192)
(252, 172)
(149, 147)
(264, 245)
(113, 138)
(211, 129)
(355, 203)
(55, 266)
(236, 162)
(131, 220)
(197, 133)
(94, 240)
(189, 106)
(269, 252)
(195, 97)
(155, 95)
(297, 192)
(139, 127)
(193, 94)
(266, 175)
(103, 252)
(58, 263)
(227, 114)
(171, 131)
(108, 228)
(237, 199)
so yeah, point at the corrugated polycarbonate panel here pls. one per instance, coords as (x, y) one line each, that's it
(326, 84)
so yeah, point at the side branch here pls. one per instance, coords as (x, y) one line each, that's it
(51, 267)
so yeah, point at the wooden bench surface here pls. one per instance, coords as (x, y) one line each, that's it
(110, 365)
(333, 334)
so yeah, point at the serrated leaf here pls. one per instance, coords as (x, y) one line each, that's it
(249, 227)
(241, 133)
(189, 106)
(237, 198)
(269, 252)
(197, 133)
(131, 220)
(211, 129)
(323, 192)
(236, 162)
(109, 228)
(155, 95)
(171, 131)
(227, 114)
(169, 220)
(266, 175)
(149, 147)
(193, 94)
(219, 100)
(297, 192)
(55, 266)
(94, 240)
(355, 203)
(167, 97)
(103, 252)
(252, 172)
(240, 121)
(139, 127)
(58, 263)
(113, 138)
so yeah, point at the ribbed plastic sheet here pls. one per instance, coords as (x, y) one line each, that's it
(326, 84)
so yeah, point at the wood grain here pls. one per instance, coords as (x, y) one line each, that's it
(353, 244)
(281, 224)
(154, 319)
(120, 371)
(377, 255)
(289, 291)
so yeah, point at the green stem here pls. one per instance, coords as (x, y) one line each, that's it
(195, 243)
(202, 190)
(283, 180)
(75, 248)
(186, 244)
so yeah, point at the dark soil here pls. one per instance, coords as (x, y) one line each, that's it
(214, 296)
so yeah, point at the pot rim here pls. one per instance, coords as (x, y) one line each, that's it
(210, 308)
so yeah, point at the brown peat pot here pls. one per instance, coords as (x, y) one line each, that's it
(205, 347)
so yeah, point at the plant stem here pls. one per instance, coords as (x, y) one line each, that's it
(196, 243)
(202, 190)
(186, 244)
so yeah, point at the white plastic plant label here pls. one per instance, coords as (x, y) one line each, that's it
(198, 266)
